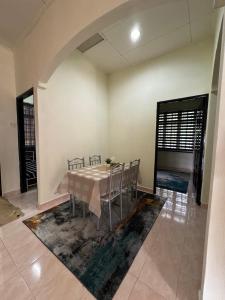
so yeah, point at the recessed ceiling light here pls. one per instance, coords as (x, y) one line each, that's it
(135, 34)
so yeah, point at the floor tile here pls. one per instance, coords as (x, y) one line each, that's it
(161, 276)
(86, 295)
(64, 286)
(193, 246)
(191, 267)
(1, 244)
(142, 292)
(18, 237)
(125, 288)
(165, 252)
(41, 272)
(155, 231)
(168, 266)
(138, 263)
(188, 289)
(13, 228)
(7, 267)
(15, 289)
(28, 253)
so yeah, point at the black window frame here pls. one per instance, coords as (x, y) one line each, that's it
(177, 130)
(29, 124)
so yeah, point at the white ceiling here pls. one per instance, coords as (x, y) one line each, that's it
(164, 28)
(17, 18)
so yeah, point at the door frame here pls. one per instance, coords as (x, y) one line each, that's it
(205, 112)
(202, 149)
(0, 182)
(21, 138)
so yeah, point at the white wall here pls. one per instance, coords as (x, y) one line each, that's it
(178, 161)
(213, 286)
(134, 92)
(8, 123)
(211, 119)
(72, 120)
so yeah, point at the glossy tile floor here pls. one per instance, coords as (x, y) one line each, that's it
(168, 266)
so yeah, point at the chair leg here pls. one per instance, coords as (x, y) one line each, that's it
(127, 201)
(136, 191)
(73, 206)
(121, 206)
(110, 216)
(98, 224)
(84, 210)
(99, 219)
(71, 202)
(131, 194)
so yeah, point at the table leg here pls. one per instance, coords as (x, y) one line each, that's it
(98, 224)
(121, 206)
(110, 216)
(84, 210)
(73, 205)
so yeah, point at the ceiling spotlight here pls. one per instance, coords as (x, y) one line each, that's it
(135, 34)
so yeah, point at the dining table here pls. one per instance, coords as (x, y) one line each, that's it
(88, 184)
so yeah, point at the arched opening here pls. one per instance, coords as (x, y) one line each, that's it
(92, 104)
(121, 10)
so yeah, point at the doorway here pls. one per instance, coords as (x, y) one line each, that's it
(179, 150)
(26, 141)
(0, 183)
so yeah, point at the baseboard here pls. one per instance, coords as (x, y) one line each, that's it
(54, 202)
(145, 189)
(11, 194)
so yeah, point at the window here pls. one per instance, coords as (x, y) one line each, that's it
(180, 131)
(29, 128)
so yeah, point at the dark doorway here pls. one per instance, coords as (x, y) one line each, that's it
(179, 151)
(0, 182)
(26, 138)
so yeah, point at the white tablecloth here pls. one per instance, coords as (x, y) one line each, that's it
(87, 184)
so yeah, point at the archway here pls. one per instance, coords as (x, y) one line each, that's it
(121, 10)
(116, 12)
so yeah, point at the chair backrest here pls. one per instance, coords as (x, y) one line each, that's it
(115, 179)
(95, 160)
(76, 163)
(134, 171)
(126, 177)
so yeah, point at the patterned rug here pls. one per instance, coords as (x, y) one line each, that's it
(172, 180)
(99, 259)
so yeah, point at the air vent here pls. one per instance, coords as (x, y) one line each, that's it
(91, 42)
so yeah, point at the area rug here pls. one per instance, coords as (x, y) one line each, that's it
(99, 259)
(8, 212)
(171, 180)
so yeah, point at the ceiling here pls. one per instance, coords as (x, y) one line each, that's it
(17, 18)
(164, 28)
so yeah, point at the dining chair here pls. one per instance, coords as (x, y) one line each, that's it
(114, 190)
(134, 171)
(74, 164)
(126, 180)
(95, 160)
